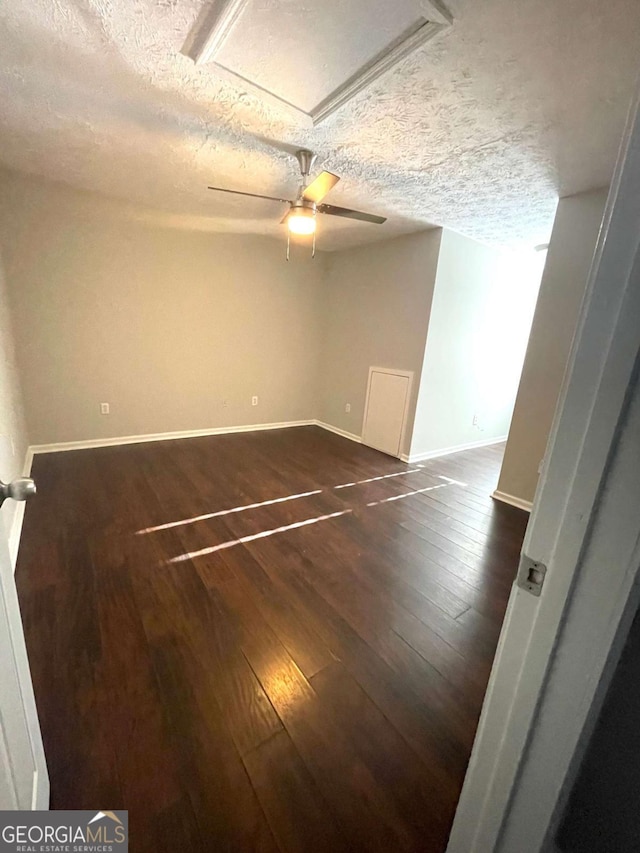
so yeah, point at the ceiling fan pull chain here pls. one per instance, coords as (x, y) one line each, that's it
(288, 242)
(313, 250)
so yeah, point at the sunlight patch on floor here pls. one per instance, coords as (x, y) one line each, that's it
(452, 482)
(285, 527)
(381, 477)
(262, 535)
(407, 494)
(242, 508)
(272, 501)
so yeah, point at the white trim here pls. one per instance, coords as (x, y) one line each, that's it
(161, 436)
(595, 625)
(425, 30)
(342, 432)
(445, 451)
(519, 729)
(512, 500)
(226, 17)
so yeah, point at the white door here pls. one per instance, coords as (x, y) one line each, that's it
(24, 782)
(385, 409)
(558, 649)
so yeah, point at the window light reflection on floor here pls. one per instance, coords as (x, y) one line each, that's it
(272, 501)
(252, 537)
(285, 527)
(306, 522)
(381, 477)
(408, 494)
(452, 482)
(242, 508)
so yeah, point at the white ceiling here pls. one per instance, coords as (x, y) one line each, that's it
(479, 130)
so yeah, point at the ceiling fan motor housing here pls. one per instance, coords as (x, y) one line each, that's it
(304, 204)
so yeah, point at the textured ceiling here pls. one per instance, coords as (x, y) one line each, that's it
(479, 130)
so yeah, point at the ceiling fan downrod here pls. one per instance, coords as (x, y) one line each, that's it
(306, 160)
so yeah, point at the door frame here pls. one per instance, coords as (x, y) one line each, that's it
(525, 734)
(405, 414)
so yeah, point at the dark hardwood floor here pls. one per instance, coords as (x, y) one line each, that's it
(264, 641)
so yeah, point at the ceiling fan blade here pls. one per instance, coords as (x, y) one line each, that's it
(252, 195)
(318, 188)
(351, 214)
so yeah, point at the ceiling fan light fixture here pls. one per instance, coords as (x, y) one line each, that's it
(301, 215)
(302, 221)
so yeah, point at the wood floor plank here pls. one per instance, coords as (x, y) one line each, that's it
(251, 590)
(420, 722)
(270, 641)
(419, 799)
(299, 816)
(364, 807)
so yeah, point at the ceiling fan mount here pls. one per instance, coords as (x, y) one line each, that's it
(301, 216)
(307, 160)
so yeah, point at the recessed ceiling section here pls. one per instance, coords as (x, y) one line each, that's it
(315, 55)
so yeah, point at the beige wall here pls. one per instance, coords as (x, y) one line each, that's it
(178, 329)
(13, 433)
(376, 304)
(563, 284)
(164, 324)
(478, 328)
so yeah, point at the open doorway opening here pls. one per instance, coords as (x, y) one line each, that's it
(481, 313)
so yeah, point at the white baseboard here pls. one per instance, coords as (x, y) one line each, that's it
(446, 451)
(350, 435)
(161, 436)
(512, 500)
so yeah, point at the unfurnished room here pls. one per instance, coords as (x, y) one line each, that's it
(318, 425)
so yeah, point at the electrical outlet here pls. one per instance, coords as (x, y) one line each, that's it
(225, 403)
(254, 401)
(104, 408)
(347, 408)
(474, 422)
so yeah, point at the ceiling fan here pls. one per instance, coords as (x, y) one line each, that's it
(301, 216)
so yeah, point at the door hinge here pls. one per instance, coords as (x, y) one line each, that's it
(531, 575)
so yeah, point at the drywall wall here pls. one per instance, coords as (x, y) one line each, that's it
(13, 433)
(175, 329)
(376, 303)
(571, 249)
(480, 318)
